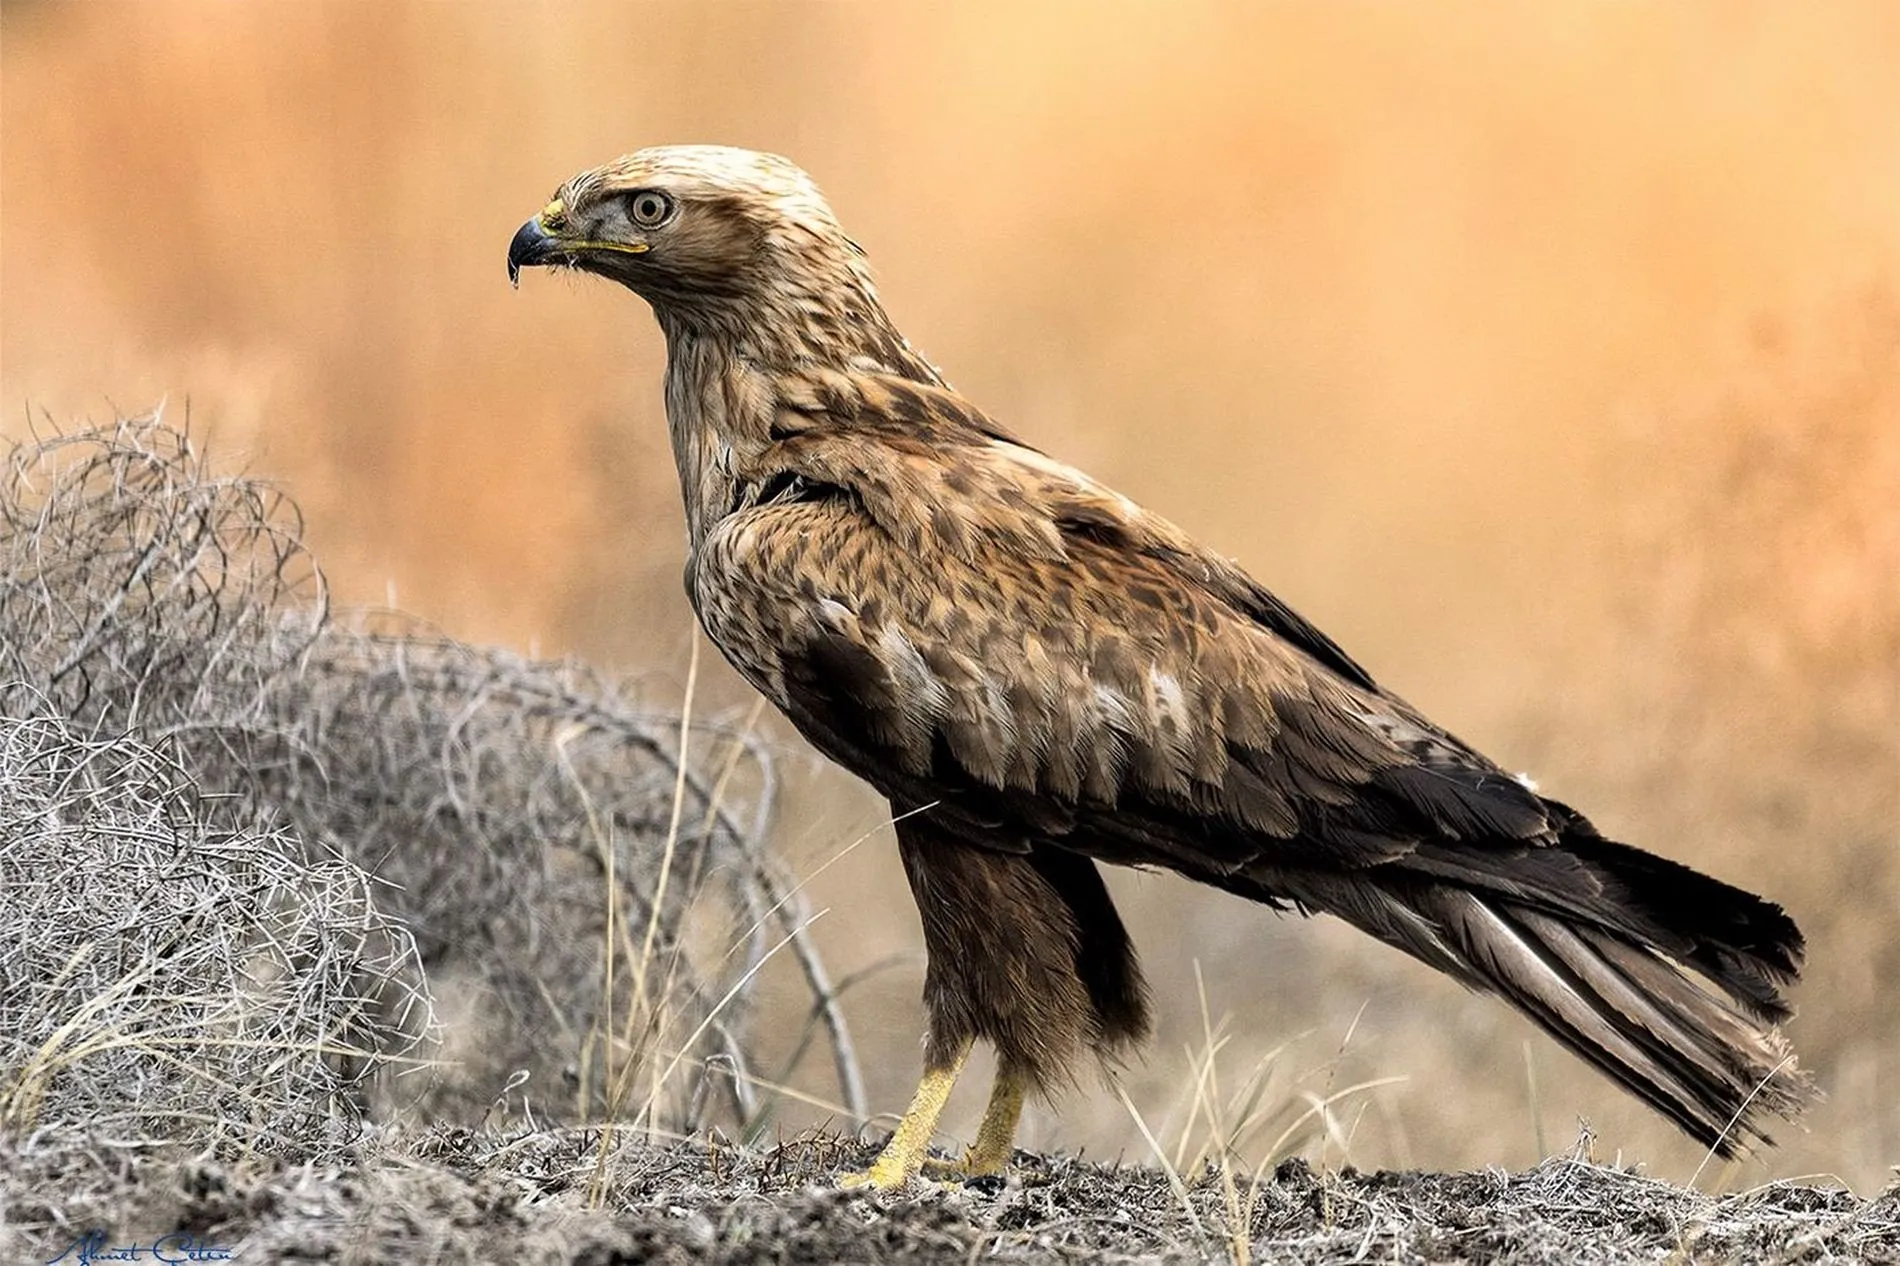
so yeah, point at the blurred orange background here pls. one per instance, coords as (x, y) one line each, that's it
(1547, 357)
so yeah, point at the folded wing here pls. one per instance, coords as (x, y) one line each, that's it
(969, 625)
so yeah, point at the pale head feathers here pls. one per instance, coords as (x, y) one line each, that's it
(750, 252)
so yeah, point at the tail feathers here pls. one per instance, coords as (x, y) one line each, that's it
(1748, 946)
(1695, 1057)
(1711, 1064)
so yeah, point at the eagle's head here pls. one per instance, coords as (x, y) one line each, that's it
(699, 230)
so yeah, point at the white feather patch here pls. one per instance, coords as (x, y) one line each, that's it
(1169, 701)
(836, 615)
(908, 669)
(1111, 708)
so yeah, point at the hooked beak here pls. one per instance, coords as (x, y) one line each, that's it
(534, 246)
(531, 248)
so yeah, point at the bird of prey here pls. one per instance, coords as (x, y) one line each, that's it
(1042, 675)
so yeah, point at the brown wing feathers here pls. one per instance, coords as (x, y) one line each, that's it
(1052, 663)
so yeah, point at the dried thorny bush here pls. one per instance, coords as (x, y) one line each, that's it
(592, 906)
(138, 592)
(167, 977)
(497, 798)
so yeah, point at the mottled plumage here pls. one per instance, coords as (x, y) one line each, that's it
(1041, 675)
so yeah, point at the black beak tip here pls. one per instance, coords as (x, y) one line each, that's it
(531, 246)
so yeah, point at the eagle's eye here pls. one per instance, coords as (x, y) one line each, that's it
(649, 208)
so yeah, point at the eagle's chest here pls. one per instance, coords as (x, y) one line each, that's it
(763, 582)
(735, 620)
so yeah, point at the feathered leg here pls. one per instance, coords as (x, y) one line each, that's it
(1026, 953)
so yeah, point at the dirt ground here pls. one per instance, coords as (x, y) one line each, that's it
(453, 1196)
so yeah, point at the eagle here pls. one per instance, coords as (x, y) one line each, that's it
(1042, 676)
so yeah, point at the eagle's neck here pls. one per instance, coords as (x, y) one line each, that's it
(722, 369)
(802, 318)
(718, 419)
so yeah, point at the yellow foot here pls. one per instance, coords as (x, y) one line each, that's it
(996, 1137)
(904, 1155)
(978, 1164)
(990, 1155)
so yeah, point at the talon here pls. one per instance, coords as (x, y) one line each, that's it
(987, 1184)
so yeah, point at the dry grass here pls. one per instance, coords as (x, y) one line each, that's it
(181, 968)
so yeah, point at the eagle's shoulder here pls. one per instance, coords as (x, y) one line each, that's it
(922, 465)
(934, 470)
(958, 617)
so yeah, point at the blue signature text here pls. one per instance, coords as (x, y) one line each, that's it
(92, 1247)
